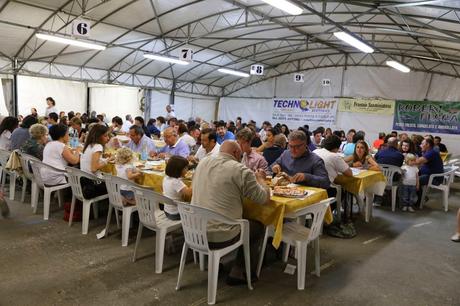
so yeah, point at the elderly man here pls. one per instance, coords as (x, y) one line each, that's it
(222, 132)
(251, 159)
(390, 155)
(209, 145)
(220, 184)
(174, 145)
(127, 124)
(139, 141)
(300, 164)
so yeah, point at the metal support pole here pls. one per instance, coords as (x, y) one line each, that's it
(15, 87)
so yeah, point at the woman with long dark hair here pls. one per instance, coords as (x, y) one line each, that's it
(361, 157)
(8, 125)
(139, 121)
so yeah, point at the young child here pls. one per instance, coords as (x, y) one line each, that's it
(410, 183)
(174, 187)
(126, 170)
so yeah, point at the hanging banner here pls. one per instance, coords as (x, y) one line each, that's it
(427, 116)
(297, 112)
(370, 106)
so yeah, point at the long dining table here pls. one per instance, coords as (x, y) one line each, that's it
(272, 213)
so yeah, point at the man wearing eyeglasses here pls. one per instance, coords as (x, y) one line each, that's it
(302, 166)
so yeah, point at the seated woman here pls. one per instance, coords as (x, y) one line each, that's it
(272, 153)
(35, 145)
(21, 134)
(174, 187)
(8, 125)
(92, 160)
(361, 157)
(58, 155)
(270, 136)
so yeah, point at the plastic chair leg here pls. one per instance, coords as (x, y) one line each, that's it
(301, 264)
(201, 258)
(125, 227)
(24, 187)
(262, 252)
(33, 193)
(12, 185)
(286, 248)
(117, 218)
(247, 261)
(317, 258)
(109, 217)
(46, 203)
(85, 217)
(138, 239)
(159, 250)
(183, 257)
(60, 197)
(72, 209)
(394, 191)
(95, 211)
(445, 199)
(213, 274)
(422, 201)
(35, 200)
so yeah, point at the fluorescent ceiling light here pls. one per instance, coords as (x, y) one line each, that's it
(398, 66)
(418, 3)
(233, 72)
(68, 41)
(165, 59)
(285, 6)
(353, 42)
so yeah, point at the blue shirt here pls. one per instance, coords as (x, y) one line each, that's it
(311, 165)
(434, 163)
(349, 148)
(389, 156)
(137, 148)
(180, 148)
(228, 135)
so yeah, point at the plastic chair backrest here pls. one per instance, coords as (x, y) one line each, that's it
(25, 164)
(4, 156)
(37, 167)
(317, 212)
(74, 175)
(194, 224)
(147, 202)
(389, 172)
(113, 184)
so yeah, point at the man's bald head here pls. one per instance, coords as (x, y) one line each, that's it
(393, 142)
(232, 148)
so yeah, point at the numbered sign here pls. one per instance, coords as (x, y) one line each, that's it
(186, 54)
(326, 82)
(81, 28)
(299, 78)
(257, 70)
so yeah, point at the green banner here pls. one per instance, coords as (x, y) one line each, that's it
(427, 116)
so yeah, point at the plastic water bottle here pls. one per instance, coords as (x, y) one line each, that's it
(144, 153)
(74, 140)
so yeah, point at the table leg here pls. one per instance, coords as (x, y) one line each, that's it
(369, 205)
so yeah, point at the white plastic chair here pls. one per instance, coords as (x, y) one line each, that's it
(37, 167)
(113, 184)
(295, 234)
(389, 171)
(75, 176)
(4, 157)
(194, 225)
(25, 164)
(151, 217)
(447, 179)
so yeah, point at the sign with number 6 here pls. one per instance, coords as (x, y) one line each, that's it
(81, 28)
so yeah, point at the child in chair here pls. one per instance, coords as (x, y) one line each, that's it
(127, 171)
(410, 183)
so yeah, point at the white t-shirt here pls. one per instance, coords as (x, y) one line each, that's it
(122, 173)
(52, 155)
(5, 140)
(189, 140)
(201, 152)
(334, 163)
(171, 188)
(50, 110)
(126, 125)
(85, 158)
(410, 175)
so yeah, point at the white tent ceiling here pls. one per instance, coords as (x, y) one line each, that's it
(223, 33)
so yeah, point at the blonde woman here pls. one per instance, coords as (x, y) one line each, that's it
(36, 143)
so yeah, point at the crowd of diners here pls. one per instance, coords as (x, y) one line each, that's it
(232, 159)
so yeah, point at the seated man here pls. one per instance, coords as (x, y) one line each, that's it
(222, 133)
(220, 184)
(139, 140)
(209, 146)
(251, 159)
(300, 164)
(272, 153)
(379, 141)
(437, 143)
(174, 145)
(390, 155)
(334, 163)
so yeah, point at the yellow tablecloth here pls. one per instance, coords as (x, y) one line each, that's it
(359, 183)
(270, 214)
(444, 156)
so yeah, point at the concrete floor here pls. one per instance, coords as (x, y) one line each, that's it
(396, 259)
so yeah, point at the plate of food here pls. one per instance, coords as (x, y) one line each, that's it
(289, 191)
(160, 168)
(281, 179)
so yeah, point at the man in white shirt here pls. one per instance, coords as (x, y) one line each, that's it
(209, 146)
(169, 112)
(334, 163)
(129, 122)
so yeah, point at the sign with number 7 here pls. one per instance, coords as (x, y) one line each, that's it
(186, 54)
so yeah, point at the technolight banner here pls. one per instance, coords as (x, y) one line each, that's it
(312, 111)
